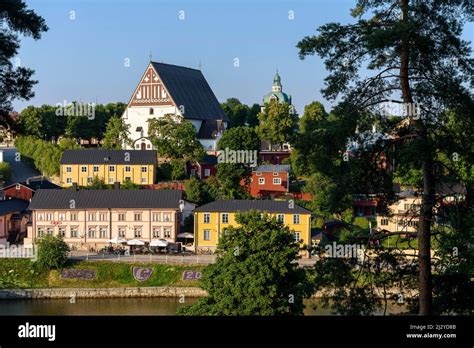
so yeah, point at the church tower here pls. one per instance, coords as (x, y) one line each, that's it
(277, 92)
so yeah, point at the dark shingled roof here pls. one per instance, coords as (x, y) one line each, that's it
(101, 199)
(109, 157)
(209, 129)
(246, 205)
(35, 185)
(189, 88)
(12, 205)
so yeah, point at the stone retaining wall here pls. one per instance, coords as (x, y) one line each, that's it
(162, 291)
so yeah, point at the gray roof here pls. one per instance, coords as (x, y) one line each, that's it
(101, 199)
(100, 156)
(12, 205)
(246, 205)
(189, 88)
(273, 168)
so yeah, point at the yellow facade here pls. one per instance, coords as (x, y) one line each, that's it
(209, 229)
(83, 174)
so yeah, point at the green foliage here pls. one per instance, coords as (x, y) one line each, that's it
(21, 273)
(5, 171)
(240, 114)
(230, 176)
(15, 81)
(194, 189)
(45, 156)
(117, 134)
(178, 169)
(164, 171)
(239, 138)
(52, 253)
(277, 123)
(175, 138)
(129, 185)
(255, 272)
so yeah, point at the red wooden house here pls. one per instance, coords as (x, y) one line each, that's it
(270, 181)
(204, 168)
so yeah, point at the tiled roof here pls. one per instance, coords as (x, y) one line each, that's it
(89, 199)
(12, 205)
(189, 88)
(273, 168)
(246, 205)
(96, 156)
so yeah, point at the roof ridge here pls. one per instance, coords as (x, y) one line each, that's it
(178, 66)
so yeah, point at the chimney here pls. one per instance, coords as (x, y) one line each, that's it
(116, 185)
(74, 186)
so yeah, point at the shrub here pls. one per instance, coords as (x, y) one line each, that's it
(52, 253)
(5, 171)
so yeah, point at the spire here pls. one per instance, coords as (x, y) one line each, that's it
(150, 56)
(276, 83)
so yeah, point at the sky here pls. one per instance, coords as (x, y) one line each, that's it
(84, 54)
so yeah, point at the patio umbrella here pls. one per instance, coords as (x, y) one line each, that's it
(135, 242)
(117, 240)
(185, 235)
(159, 243)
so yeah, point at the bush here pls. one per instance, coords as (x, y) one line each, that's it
(164, 171)
(178, 169)
(5, 171)
(52, 253)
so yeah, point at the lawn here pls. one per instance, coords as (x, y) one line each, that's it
(21, 274)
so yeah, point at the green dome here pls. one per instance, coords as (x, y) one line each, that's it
(281, 97)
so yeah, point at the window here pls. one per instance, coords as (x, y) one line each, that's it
(121, 217)
(296, 218)
(225, 218)
(95, 168)
(127, 168)
(40, 217)
(62, 231)
(156, 232)
(91, 217)
(102, 232)
(384, 222)
(62, 216)
(111, 168)
(167, 217)
(121, 232)
(167, 232)
(281, 218)
(50, 231)
(111, 180)
(207, 172)
(84, 169)
(89, 179)
(17, 187)
(261, 181)
(127, 178)
(69, 180)
(275, 173)
(40, 231)
(207, 218)
(137, 217)
(91, 232)
(144, 169)
(207, 234)
(156, 217)
(258, 173)
(151, 111)
(102, 217)
(73, 217)
(137, 232)
(276, 181)
(297, 236)
(49, 216)
(143, 180)
(68, 169)
(73, 232)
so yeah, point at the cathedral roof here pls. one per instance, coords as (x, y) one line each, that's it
(281, 97)
(188, 87)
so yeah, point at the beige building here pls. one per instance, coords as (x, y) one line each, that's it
(88, 219)
(404, 214)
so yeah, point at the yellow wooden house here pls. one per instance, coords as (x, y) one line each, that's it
(81, 166)
(211, 219)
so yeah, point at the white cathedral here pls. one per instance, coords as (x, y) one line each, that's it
(171, 89)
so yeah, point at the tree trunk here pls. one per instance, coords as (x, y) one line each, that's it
(427, 204)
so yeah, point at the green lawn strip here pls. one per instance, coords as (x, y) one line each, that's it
(108, 274)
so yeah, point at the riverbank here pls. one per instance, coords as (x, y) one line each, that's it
(21, 274)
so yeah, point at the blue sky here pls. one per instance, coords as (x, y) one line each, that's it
(83, 59)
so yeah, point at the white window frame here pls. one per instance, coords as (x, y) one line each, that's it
(276, 181)
(261, 181)
(226, 215)
(296, 219)
(206, 235)
(206, 218)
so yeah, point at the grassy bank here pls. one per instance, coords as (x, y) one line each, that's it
(20, 273)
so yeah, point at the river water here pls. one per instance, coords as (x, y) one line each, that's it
(118, 306)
